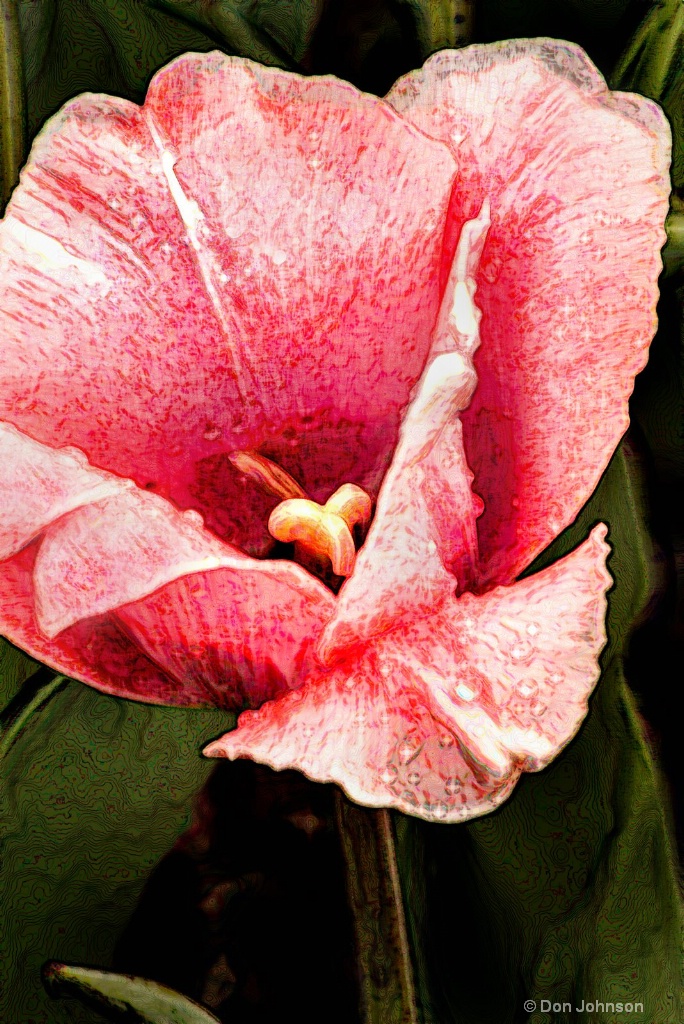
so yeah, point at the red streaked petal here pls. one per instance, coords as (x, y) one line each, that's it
(224, 268)
(439, 718)
(234, 634)
(578, 184)
(96, 651)
(422, 544)
(132, 553)
(41, 484)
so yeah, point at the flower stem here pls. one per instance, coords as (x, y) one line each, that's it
(12, 114)
(35, 692)
(386, 982)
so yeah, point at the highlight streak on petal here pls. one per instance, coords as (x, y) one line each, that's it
(192, 217)
(439, 718)
(422, 543)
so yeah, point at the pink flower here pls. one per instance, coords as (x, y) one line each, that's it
(257, 266)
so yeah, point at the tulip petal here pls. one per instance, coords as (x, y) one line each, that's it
(578, 184)
(224, 268)
(112, 556)
(422, 544)
(439, 717)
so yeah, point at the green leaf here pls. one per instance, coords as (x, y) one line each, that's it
(95, 791)
(34, 694)
(123, 997)
(12, 113)
(15, 669)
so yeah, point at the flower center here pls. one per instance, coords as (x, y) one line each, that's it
(323, 535)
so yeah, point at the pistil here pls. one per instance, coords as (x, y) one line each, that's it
(322, 534)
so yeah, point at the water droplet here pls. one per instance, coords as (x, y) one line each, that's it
(408, 749)
(556, 678)
(533, 629)
(193, 517)
(446, 740)
(452, 786)
(466, 692)
(389, 776)
(105, 169)
(166, 248)
(212, 432)
(538, 709)
(438, 810)
(308, 731)
(413, 778)
(521, 650)
(491, 270)
(586, 237)
(527, 688)
(313, 164)
(115, 203)
(279, 257)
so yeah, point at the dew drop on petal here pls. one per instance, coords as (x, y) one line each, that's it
(452, 786)
(438, 810)
(527, 688)
(389, 776)
(532, 629)
(521, 650)
(408, 749)
(538, 709)
(413, 778)
(193, 517)
(466, 692)
(446, 740)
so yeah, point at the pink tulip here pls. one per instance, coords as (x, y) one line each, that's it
(222, 308)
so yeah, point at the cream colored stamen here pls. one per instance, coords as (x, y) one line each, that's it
(352, 504)
(268, 475)
(320, 533)
(324, 531)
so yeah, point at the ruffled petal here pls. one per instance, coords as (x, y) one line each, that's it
(578, 182)
(223, 268)
(119, 559)
(439, 717)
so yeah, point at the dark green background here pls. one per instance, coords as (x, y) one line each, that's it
(567, 892)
